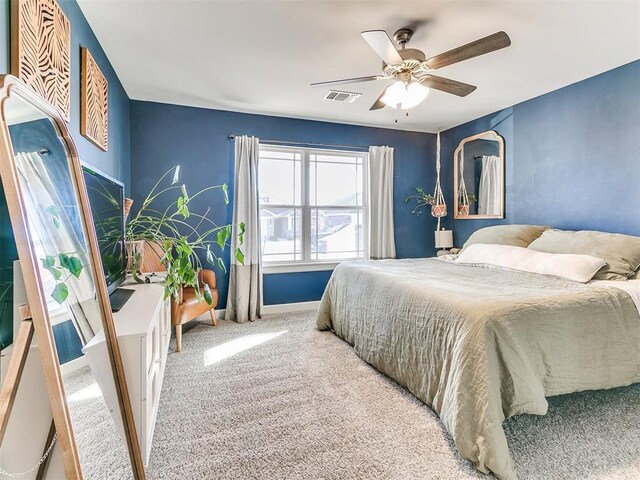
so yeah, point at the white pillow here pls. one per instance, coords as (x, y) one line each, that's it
(578, 268)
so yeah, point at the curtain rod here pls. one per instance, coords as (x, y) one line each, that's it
(306, 144)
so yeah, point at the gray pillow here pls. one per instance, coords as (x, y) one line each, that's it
(514, 235)
(621, 252)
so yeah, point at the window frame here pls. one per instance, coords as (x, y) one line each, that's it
(306, 263)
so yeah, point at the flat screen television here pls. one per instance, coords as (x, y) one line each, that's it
(106, 197)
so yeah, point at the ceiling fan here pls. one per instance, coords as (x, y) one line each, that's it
(412, 70)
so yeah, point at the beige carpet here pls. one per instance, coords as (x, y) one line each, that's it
(276, 399)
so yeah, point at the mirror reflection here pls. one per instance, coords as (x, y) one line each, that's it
(58, 237)
(479, 177)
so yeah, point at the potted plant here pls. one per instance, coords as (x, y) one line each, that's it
(463, 207)
(181, 234)
(422, 200)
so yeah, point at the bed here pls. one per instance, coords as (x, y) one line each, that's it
(479, 345)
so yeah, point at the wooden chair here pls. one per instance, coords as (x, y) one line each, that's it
(187, 307)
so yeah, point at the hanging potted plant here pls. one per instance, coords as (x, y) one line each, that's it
(436, 201)
(465, 203)
(439, 210)
(422, 200)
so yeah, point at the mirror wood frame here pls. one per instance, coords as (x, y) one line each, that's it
(456, 182)
(11, 87)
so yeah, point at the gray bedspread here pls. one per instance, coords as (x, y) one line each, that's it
(480, 345)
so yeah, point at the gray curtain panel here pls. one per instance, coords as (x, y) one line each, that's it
(244, 301)
(381, 232)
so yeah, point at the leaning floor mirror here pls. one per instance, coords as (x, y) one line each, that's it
(54, 422)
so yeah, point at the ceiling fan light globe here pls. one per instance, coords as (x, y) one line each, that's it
(415, 94)
(403, 96)
(394, 94)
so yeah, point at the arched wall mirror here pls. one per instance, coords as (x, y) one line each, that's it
(61, 270)
(479, 177)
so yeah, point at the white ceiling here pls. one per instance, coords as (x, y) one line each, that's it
(260, 56)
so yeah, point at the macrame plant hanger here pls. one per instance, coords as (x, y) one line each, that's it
(463, 197)
(439, 207)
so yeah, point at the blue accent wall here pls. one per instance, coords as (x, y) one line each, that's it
(572, 156)
(115, 162)
(165, 135)
(295, 287)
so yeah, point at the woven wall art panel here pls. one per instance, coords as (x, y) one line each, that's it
(41, 50)
(94, 114)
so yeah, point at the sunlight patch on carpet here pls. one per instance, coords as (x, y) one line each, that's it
(233, 347)
(92, 391)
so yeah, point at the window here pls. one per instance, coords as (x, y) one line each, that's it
(313, 205)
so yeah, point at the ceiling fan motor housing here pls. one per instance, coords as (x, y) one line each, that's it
(413, 60)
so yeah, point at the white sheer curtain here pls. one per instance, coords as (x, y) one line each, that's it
(381, 231)
(244, 301)
(489, 191)
(55, 238)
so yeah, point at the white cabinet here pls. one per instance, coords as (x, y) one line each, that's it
(143, 327)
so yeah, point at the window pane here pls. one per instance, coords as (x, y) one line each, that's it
(335, 183)
(282, 154)
(337, 233)
(336, 157)
(279, 181)
(281, 230)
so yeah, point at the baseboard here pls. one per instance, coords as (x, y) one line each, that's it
(73, 365)
(207, 317)
(279, 308)
(291, 307)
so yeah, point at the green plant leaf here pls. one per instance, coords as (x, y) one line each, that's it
(75, 266)
(221, 265)
(239, 256)
(241, 233)
(48, 263)
(60, 293)
(209, 255)
(225, 190)
(207, 294)
(64, 260)
(221, 239)
(55, 215)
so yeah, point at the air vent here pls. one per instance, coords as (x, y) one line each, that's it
(342, 97)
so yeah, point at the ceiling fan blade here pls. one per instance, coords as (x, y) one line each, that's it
(383, 46)
(347, 80)
(479, 47)
(447, 85)
(378, 104)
